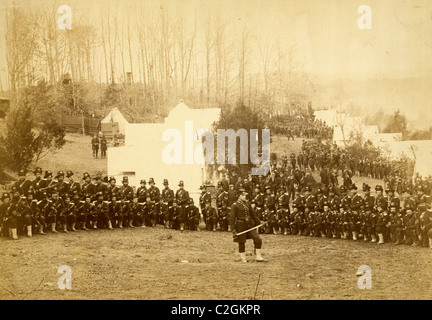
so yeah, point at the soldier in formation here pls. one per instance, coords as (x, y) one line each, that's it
(333, 210)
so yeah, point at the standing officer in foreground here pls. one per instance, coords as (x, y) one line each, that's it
(243, 218)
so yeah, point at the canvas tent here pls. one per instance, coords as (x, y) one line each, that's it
(423, 163)
(389, 137)
(408, 148)
(327, 116)
(145, 143)
(115, 116)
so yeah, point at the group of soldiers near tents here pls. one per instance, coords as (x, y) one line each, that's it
(326, 210)
(301, 127)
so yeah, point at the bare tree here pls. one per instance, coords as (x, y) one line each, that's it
(22, 44)
(209, 43)
(242, 61)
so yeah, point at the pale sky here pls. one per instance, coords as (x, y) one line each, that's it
(325, 32)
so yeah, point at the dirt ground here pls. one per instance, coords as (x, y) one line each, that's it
(156, 263)
(76, 155)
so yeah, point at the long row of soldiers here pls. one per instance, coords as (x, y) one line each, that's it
(316, 155)
(335, 212)
(45, 203)
(330, 211)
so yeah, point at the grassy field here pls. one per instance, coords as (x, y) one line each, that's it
(156, 263)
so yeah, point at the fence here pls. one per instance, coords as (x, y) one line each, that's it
(75, 124)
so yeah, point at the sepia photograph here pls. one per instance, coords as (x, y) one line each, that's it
(215, 150)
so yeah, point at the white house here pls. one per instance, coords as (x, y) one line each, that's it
(142, 155)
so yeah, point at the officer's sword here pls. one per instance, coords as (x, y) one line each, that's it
(256, 227)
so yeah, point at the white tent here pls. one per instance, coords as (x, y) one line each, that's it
(423, 163)
(408, 148)
(144, 153)
(370, 133)
(116, 116)
(389, 137)
(327, 116)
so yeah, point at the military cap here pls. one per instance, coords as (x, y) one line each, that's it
(125, 179)
(267, 188)
(319, 190)
(181, 183)
(294, 205)
(112, 179)
(174, 200)
(165, 182)
(21, 173)
(307, 188)
(86, 175)
(76, 195)
(143, 181)
(191, 201)
(59, 174)
(331, 189)
(408, 210)
(30, 191)
(87, 195)
(365, 187)
(219, 184)
(48, 174)
(207, 201)
(390, 189)
(5, 195)
(66, 196)
(379, 188)
(98, 176)
(408, 206)
(100, 193)
(54, 191)
(342, 189)
(257, 186)
(241, 190)
(37, 170)
(408, 191)
(353, 187)
(325, 204)
(69, 174)
(151, 180)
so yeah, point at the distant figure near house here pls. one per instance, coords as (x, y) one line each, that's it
(95, 146)
(115, 141)
(103, 143)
